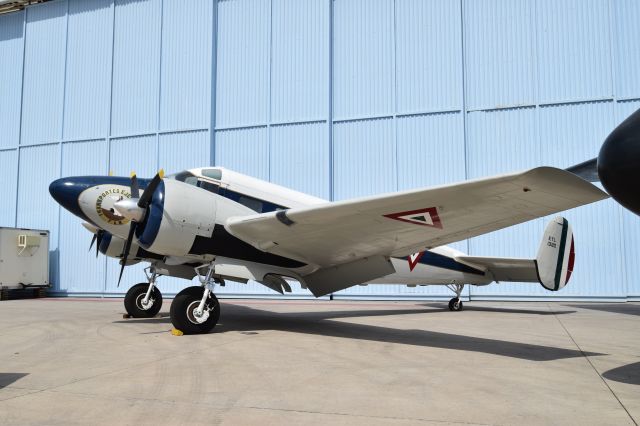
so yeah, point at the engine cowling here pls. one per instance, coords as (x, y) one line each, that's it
(618, 163)
(177, 214)
(112, 246)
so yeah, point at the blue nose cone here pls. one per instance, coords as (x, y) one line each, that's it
(66, 192)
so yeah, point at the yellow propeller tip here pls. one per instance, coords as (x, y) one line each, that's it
(161, 173)
(110, 172)
(133, 173)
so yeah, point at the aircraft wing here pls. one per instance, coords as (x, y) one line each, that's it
(403, 223)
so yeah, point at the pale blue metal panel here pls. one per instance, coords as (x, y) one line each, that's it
(80, 270)
(573, 50)
(363, 65)
(186, 64)
(244, 151)
(630, 222)
(137, 154)
(136, 67)
(429, 63)
(126, 155)
(430, 150)
(39, 166)
(300, 60)
(364, 158)
(300, 158)
(242, 91)
(500, 142)
(44, 72)
(570, 134)
(626, 32)
(88, 79)
(9, 179)
(11, 42)
(181, 151)
(499, 49)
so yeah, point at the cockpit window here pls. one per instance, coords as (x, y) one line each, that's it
(211, 187)
(186, 177)
(212, 173)
(255, 204)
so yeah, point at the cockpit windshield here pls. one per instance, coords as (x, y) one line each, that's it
(186, 177)
(213, 174)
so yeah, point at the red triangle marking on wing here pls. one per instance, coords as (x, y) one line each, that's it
(432, 211)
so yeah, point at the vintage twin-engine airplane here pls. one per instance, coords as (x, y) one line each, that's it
(221, 225)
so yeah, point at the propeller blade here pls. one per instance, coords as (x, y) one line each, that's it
(99, 235)
(93, 240)
(125, 251)
(145, 200)
(135, 189)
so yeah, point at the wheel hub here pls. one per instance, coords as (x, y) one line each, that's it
(192, 313)
(144, 306)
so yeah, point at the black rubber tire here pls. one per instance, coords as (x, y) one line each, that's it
(453, 306)
(182, 308)
(135, 295)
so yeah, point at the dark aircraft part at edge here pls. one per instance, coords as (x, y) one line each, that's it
(618, 164)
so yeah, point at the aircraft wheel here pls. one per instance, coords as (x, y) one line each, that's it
(455, 304)
(133, 301)
(184, 314)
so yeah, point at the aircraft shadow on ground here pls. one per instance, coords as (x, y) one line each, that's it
(502, 310)
(8, 378)
(615, 308)
(249, 319)
(629, 374)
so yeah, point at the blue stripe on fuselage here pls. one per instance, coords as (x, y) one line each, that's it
(445, 262)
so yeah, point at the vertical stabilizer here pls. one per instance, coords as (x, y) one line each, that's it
(556, 255)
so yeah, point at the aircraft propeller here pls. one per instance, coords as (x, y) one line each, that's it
(97, 239)
(134, 209)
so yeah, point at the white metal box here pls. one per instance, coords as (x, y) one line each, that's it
(24, 258)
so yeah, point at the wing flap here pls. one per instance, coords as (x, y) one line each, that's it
(403, 223)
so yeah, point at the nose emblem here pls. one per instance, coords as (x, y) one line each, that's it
(106, 205)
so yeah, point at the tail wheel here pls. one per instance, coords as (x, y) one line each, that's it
(184, 315)
(455, 304)
(134, 301)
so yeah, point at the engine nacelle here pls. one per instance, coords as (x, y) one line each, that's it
(112, 246)
(178, 213)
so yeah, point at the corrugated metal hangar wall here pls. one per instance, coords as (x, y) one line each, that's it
(337, 98)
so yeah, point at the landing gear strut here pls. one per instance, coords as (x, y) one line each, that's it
(196, 309)
(144, 300)
(455, 304)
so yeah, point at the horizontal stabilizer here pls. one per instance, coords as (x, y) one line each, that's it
(587, 170)
(552, 267)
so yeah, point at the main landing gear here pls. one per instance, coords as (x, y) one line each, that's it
(196, 309)
(144, 300)
(455, 304)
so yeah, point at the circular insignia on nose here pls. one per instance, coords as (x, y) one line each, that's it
(105, 205)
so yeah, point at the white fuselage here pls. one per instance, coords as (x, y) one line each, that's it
(433, 267)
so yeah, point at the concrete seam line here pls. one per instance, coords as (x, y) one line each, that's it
(594, 369)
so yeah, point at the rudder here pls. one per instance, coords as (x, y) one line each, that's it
(556, 255)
